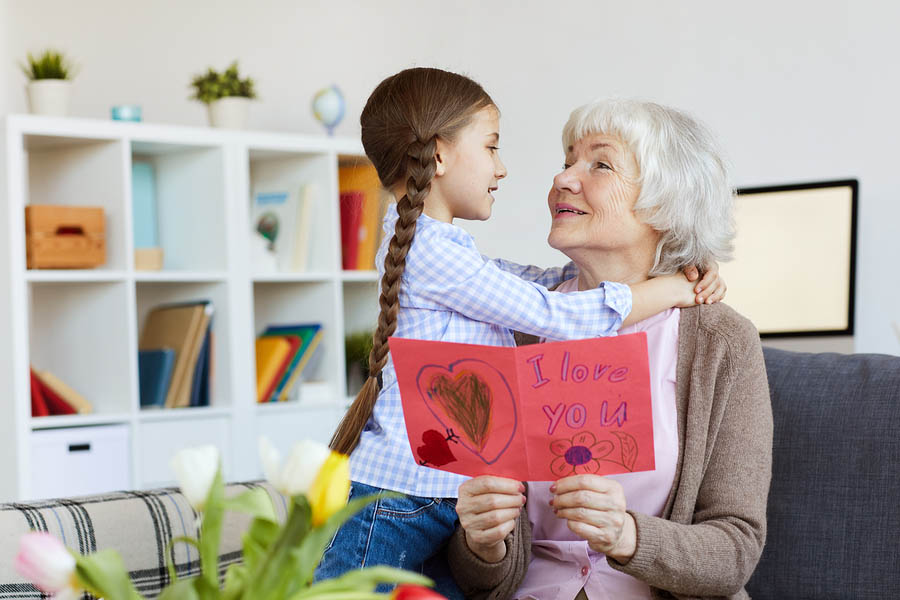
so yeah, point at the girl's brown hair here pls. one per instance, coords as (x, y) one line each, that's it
(401, 123)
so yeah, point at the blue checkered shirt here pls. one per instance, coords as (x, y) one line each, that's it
(451, 293)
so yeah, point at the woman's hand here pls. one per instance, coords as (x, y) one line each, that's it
(488, 508)
(594, 508)
(711, 288)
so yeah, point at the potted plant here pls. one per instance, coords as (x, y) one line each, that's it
(226, 96)
(49, 83)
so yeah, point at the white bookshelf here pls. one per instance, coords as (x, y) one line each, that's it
(84, 325)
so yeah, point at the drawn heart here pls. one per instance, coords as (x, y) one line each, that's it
(465, 397)
(436, 451)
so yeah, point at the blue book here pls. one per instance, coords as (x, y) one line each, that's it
(155, 373)
(200, 384)
(143, 200)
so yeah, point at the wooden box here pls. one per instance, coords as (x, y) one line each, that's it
(64, 237)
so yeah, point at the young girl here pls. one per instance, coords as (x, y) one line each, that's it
(432, 136)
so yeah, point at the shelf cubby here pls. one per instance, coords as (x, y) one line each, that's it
(81, 332)
(150, 294)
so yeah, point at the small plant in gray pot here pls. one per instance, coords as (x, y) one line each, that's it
(49, 83)
(226, 95)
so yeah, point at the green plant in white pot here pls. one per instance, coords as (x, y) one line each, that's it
(226, 95)
(49, 83)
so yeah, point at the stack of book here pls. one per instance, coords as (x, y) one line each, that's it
(363, 202)
(283, 352)
(175, 355)
(51, 396)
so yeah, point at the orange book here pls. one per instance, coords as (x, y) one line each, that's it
(270, 356)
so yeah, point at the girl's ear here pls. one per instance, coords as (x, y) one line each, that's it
(440, 157)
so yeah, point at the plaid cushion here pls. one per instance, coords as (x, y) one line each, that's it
(137, 524)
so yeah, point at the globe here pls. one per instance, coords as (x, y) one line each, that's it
(328, 107)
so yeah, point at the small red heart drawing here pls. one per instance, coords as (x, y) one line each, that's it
(436, 451)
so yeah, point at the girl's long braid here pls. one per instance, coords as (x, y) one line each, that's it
(421, 168)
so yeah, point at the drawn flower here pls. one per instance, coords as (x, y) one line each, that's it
(579, 455)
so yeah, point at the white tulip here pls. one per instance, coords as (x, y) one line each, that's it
(195, 469)
(296, 476)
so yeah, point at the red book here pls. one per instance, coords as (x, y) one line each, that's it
(38, 403)
(351, 214)
(56, 405)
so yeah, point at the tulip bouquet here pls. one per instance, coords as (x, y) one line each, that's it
(278, 560)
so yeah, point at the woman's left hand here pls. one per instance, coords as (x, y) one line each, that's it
(594, 508)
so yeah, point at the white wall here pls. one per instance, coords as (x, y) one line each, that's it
(797, 91)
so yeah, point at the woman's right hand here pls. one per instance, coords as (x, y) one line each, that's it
(488, 508)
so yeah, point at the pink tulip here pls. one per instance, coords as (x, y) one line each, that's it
(44, 561)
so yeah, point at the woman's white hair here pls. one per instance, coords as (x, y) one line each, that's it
(685, 192)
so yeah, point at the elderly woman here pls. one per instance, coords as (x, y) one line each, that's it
(643, 192)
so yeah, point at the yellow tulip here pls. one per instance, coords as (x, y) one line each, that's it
(330, 489)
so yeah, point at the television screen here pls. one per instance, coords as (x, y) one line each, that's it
(793, 267)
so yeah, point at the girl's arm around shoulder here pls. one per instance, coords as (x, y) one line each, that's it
(447, 273)
(549, 278)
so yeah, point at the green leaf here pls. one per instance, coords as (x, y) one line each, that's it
(307, 556)
(103, 574)
(363, 580)
(255, 502)
(173, 575)
(210, 534)
(183, 589)
(257, 540)
(235, 581)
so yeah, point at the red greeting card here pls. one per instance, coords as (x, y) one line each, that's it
(533, 413)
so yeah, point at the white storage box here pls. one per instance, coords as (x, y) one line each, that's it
(76, 461)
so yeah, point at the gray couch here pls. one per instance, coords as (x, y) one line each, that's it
(834, 506)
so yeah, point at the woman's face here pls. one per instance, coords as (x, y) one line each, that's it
(592, 199)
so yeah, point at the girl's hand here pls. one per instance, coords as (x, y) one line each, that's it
(711, 288)
(488, 508)
(594, 509)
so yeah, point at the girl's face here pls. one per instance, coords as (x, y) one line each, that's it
(468, 171)
(592, 199)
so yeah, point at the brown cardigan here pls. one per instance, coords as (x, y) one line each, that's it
(711, 534)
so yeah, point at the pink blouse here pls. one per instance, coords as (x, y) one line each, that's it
(561, 562)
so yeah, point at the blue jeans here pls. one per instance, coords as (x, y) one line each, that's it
(408, 533)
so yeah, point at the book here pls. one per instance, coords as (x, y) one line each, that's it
(76, 400)
(180, 327)
(38, 403)
(155, 373)
(200, 383)
(295, 341)
(56, 405)
(143, 199)
(271, 352)
(364, 178)
(303, 226)
(351, 211)
(310, 336)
